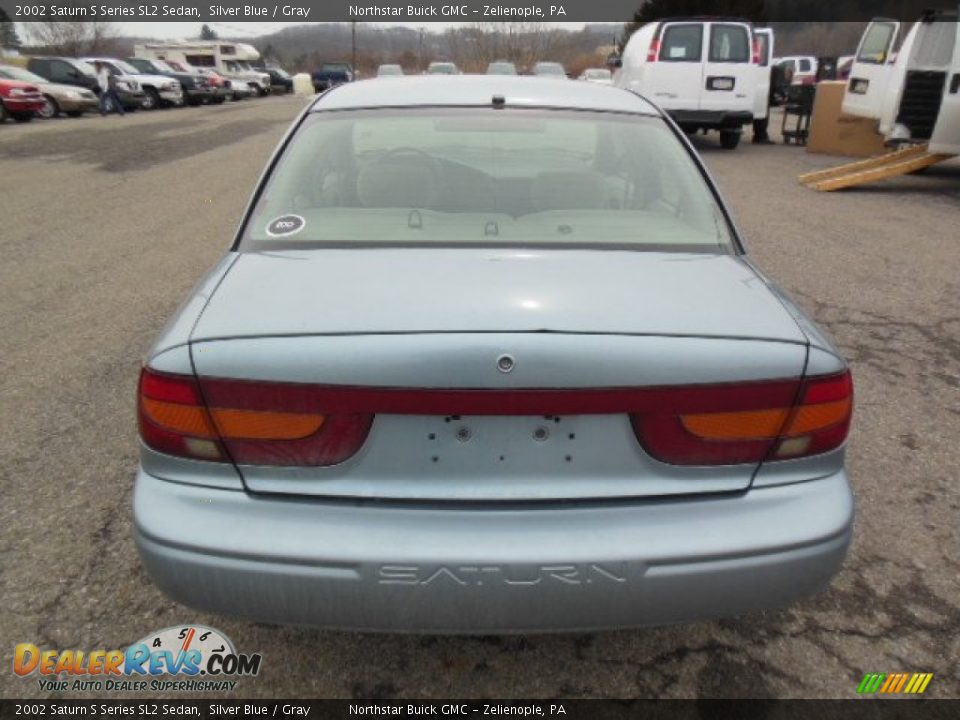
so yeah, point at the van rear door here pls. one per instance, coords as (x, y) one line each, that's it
(872, 68)
(674, 69)
(761, 101)
(946, 133)
(729, 73)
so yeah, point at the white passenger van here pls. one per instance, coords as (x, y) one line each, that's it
(704, 72)
(913, 92)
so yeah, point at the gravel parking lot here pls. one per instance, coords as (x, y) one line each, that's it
(105, 224)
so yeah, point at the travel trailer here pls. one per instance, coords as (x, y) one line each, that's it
(911, 87)
(231, 60)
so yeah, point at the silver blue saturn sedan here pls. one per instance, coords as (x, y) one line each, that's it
(487, 355)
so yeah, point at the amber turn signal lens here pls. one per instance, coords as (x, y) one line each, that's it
(745, 425)
(810, 418)
(185, 419)
(265, 425)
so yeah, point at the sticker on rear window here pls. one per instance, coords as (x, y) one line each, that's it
(286, 225)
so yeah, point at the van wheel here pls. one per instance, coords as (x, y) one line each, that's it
(729, 139)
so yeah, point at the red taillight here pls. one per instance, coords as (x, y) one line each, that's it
(250, 423)
(757, 50)
(654, 52)
(291, 424)
(733, 424)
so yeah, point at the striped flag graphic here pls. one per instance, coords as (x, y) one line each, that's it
(894, 683)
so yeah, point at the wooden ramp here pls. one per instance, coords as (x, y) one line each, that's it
(901, 162)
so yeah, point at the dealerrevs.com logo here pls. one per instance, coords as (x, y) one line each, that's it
(188, 658)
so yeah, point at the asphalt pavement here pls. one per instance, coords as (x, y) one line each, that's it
(106, 223)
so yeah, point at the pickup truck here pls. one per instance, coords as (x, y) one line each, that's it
(158, 90)
(196, 88)
(331, 74)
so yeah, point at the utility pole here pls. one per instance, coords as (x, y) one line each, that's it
(353, 51)
(420, 52)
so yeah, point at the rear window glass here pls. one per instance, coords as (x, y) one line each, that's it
(764, 41)
(474, 176)
(682, 43)
(876, 43)
(729, 43)
(805, 65)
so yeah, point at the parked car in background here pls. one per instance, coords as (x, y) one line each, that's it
(618, 421)
(157, 90)
(501, 67)
(330, 74)
(240, 72)
(196, 87)
(19, 100)
(802, 68)
(222, 89)
(281, 82)
(601, 76)
(442, 67)
(705, 73)
(549, 69)
(57, 98)
(389, 71)
(65, 71)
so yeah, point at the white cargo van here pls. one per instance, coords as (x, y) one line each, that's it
(913, 92)
(704, 72)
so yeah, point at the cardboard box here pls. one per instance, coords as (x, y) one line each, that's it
(833, 133)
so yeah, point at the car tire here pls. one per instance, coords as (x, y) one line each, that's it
(729, 139)
(50, 108)
(22, 117)
(217, 100)
(3, 113)
(151, 99)
(74, 113)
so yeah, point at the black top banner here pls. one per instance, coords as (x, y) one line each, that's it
(389, 11)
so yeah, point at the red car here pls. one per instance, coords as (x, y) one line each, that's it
(19, 100)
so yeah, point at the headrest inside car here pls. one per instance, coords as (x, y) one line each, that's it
(568, 191)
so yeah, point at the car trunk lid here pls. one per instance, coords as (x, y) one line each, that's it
(404, 334)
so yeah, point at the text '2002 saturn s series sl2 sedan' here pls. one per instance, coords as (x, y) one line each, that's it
(487, 355)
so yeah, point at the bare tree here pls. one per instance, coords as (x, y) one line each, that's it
(71, 38)
(476, 45)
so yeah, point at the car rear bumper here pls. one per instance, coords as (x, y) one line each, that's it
(481, 570)
(714, 119)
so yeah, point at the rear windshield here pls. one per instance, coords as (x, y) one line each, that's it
(729, 43)
(486, 177)
(682, 43)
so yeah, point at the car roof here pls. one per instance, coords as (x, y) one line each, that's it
(479, 91)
